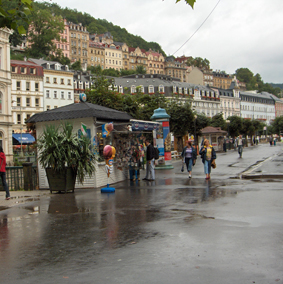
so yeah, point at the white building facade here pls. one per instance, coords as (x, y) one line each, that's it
(57, 84)
(258, 106)
(5, 95)
(27, 92)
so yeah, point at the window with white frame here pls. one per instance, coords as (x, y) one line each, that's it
(69, 95)
(27, 102)
(185, 91)
(47, 94)
(151, 89)
(161, 89)
(121, 89)
(180, 90)
(174, 89)
(133, 89)
(62, 95)
(37, 102)
(55, 94)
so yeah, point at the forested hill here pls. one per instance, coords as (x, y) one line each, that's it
(277, 85)
(100, 26)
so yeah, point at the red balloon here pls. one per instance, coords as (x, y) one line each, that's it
(107, 152)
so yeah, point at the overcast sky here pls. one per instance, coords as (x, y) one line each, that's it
(239, 33)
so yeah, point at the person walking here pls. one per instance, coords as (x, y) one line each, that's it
(224, 144)
(208, 156)
(150, 175)
(240, 146)
(189, 154)
(3, 172)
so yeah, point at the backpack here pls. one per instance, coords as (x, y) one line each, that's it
(156, 153)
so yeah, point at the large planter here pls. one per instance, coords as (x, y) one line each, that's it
(61, 181)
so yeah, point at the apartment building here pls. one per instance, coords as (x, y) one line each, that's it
(96, 54)
(113, 56)
(57, 84)
(221, 80)
(79, 44)
(27, 92)
(260, 106)
(64, 42)
(5, 95)
(194, 75)
(125, 55)
(208, 78)
(155, 62)
(230, 101)
(138, 57)
(175, 69)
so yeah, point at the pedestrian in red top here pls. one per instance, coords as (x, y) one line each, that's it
(3, 172)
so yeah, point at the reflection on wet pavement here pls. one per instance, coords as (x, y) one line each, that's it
(82, 225)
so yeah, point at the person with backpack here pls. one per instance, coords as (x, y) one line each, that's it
(150, 174)
(3, 172)
(189, 154)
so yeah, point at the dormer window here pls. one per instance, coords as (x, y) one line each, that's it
(151, 89)
(174, 89)
(133, 89)
(161, 89)
(121, 89)
(180, 90)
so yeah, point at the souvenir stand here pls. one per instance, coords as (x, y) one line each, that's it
(128, 141)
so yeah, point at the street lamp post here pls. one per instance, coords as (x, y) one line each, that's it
(228, 121)
(195, 134)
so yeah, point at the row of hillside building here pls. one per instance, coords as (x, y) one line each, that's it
(35, 85)
(100, 50)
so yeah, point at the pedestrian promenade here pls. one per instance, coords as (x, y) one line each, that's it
(261, 161)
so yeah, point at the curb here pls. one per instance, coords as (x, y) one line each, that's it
(259, 176)
(248, 173)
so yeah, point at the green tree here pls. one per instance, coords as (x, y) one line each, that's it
(218, 121)
(101, 94)
(244, 75)
(15, 14)
(248, 128)
(43, 30)
(77, 66)
(111, 72)
(235, 125)
(59, 57)
(124, 72)
(277, 125)
(199, 62)
(140, 70)
(181, 120)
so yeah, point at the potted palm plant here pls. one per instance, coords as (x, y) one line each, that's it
(65, 156)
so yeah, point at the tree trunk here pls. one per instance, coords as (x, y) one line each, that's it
(180, 145)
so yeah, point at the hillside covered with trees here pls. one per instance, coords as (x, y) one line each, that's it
(99, 26)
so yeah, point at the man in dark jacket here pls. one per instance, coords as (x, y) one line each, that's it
(150, 175)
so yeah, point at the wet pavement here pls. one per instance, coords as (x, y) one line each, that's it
(172, 230)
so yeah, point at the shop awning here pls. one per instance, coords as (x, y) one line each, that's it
(142, 125)
(26, 138)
